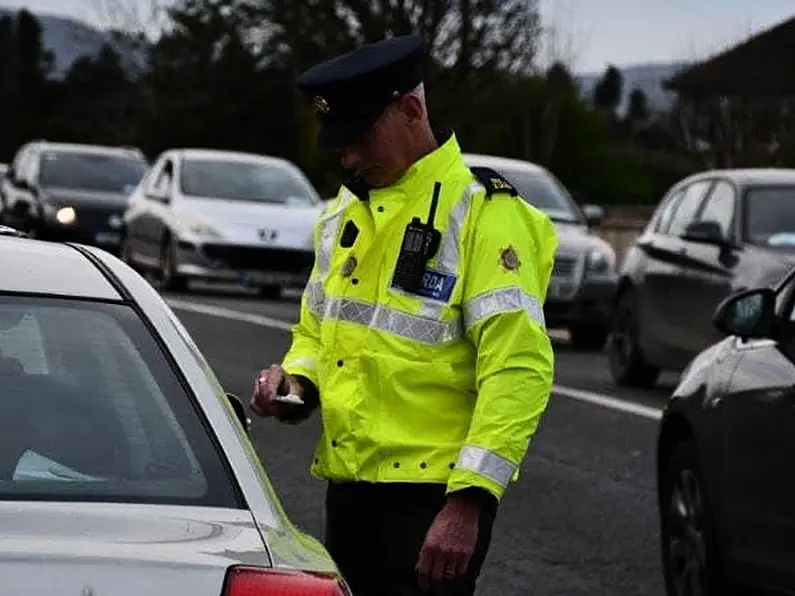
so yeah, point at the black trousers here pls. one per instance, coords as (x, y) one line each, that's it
(375, 532)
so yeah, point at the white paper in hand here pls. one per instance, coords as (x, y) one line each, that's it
(290, 398)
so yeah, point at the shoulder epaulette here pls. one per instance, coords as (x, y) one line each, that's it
(493, 181)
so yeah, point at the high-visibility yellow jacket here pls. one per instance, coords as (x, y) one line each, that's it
(445, 387)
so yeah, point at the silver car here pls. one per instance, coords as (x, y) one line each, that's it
(221, 216)
(124, 467)
(585, 277)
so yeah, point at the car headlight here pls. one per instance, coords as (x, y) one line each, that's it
(66, 215)
(197, 227)
(599, 262)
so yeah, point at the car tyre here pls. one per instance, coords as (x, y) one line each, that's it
(169, 278)
(627, 365)
(690, 561)
(587, 337)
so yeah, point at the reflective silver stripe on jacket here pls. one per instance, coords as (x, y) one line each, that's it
(503, 300)
(329, 228)
(419, 329)
(486, 463)
(449, 251)
(315, 296)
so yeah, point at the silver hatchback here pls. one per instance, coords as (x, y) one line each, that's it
(125, 469)
(585, 276)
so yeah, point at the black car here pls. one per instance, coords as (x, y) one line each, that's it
(713, 234)
(70, 192)
(725, 453)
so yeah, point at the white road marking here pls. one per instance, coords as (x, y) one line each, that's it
(229, 314)
(606, 401)
(597, 399)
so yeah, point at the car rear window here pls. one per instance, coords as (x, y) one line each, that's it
(90, 409)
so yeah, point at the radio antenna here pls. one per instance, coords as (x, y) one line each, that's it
(437, 188)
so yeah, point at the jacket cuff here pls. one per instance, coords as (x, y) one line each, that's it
(482, 497)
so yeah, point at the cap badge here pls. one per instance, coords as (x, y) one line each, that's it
(509, 259)
(321, 105)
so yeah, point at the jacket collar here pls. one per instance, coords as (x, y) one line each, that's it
(428, 169)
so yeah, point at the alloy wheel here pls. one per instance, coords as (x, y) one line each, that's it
(687, 550)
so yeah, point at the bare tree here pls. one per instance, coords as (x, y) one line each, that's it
(137, 18)
(559, 50)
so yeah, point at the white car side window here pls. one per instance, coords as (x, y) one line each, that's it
(161, 182)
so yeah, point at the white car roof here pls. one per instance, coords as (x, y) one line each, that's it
(188, 153)
(497, 163)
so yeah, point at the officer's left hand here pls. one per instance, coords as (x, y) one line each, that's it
(449, 543)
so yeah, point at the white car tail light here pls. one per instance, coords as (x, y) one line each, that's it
(262, 581)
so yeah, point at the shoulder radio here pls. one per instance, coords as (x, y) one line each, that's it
(420, 243)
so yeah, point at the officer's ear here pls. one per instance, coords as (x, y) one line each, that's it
(412, 107)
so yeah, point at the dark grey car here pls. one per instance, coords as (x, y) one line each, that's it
(71, 192)
(713, 234)
(725, 450)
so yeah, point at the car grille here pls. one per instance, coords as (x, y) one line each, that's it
(565, 266)
(252, 258)
(95, 218)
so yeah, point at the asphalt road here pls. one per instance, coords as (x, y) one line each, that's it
(582, 520)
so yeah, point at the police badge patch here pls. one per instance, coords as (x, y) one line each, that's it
(509, 260)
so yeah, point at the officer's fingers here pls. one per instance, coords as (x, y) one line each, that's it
(444, 565)
(424, 566)
(274, 379)
(462, 563)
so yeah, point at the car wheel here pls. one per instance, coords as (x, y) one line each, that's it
(587, 337)
(689, 551)
(169, 278)
(627, 364)
(270, 292)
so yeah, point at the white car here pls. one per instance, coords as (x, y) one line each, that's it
(225, 217)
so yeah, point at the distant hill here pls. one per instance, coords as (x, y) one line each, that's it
(646, 77)
(69, 39)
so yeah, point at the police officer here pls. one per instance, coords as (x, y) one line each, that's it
(421, 334)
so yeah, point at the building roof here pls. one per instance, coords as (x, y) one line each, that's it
(761, 66)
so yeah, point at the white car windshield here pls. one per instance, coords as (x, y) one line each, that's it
(770, 219)
(245, 181)
(546, 193)
(91, 171)
(90, 409)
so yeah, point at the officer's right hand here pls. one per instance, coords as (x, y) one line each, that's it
(271, 382)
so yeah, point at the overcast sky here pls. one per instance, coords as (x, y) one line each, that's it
(593, 32)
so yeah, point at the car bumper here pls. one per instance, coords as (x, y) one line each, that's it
(590, 305)
(251, 265)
